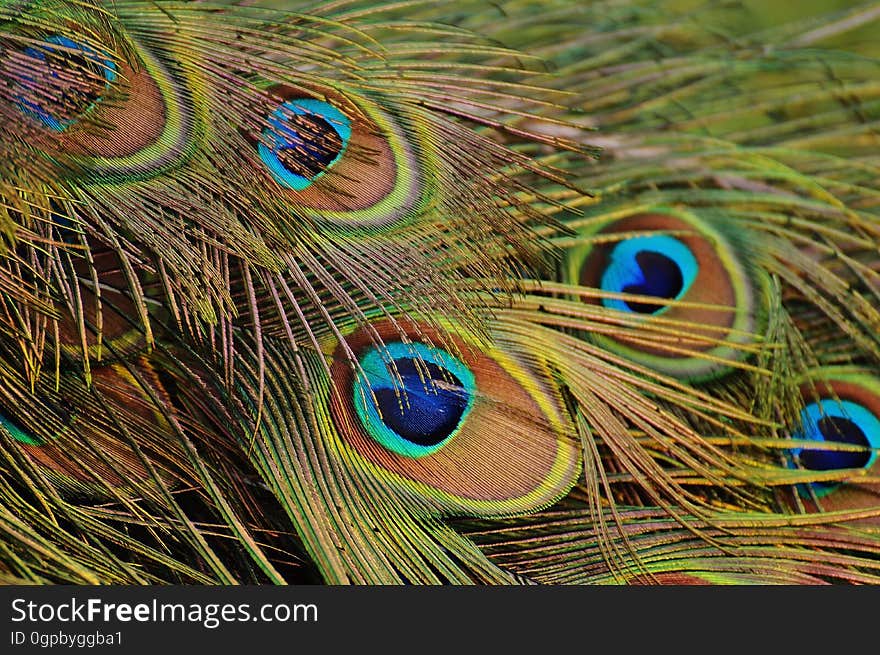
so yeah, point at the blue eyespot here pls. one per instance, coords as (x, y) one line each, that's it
(656, 265)
(305, 138)
(840, 421)
(35, 106)
(418, 405)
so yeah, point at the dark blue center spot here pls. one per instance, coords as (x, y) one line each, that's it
(428, 407)
(308, 145)
(661, 278)
(838, 421)
(304, 138)
(653, 265)
(839, 430)
(413, 398)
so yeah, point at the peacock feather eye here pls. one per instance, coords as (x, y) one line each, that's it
(58, 85)
(416, 402)
(659, 266)
(846, 411)
(468, 429)
(76, 440)
(706, 309)
(345, 158)
(843, 422)
(305, 137)
(106, 109)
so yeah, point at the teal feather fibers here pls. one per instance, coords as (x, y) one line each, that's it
(438, 292)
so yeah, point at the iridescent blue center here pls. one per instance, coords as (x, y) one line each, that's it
(70, 56)
(303, 140)
(656, 265)
(839, 421)
(415, 405)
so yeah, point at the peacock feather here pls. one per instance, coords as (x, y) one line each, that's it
(439, 292)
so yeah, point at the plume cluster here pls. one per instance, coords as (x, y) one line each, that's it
(439, 292)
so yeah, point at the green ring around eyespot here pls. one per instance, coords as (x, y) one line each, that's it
(181, 132)
(388, 210)
(746, 316)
